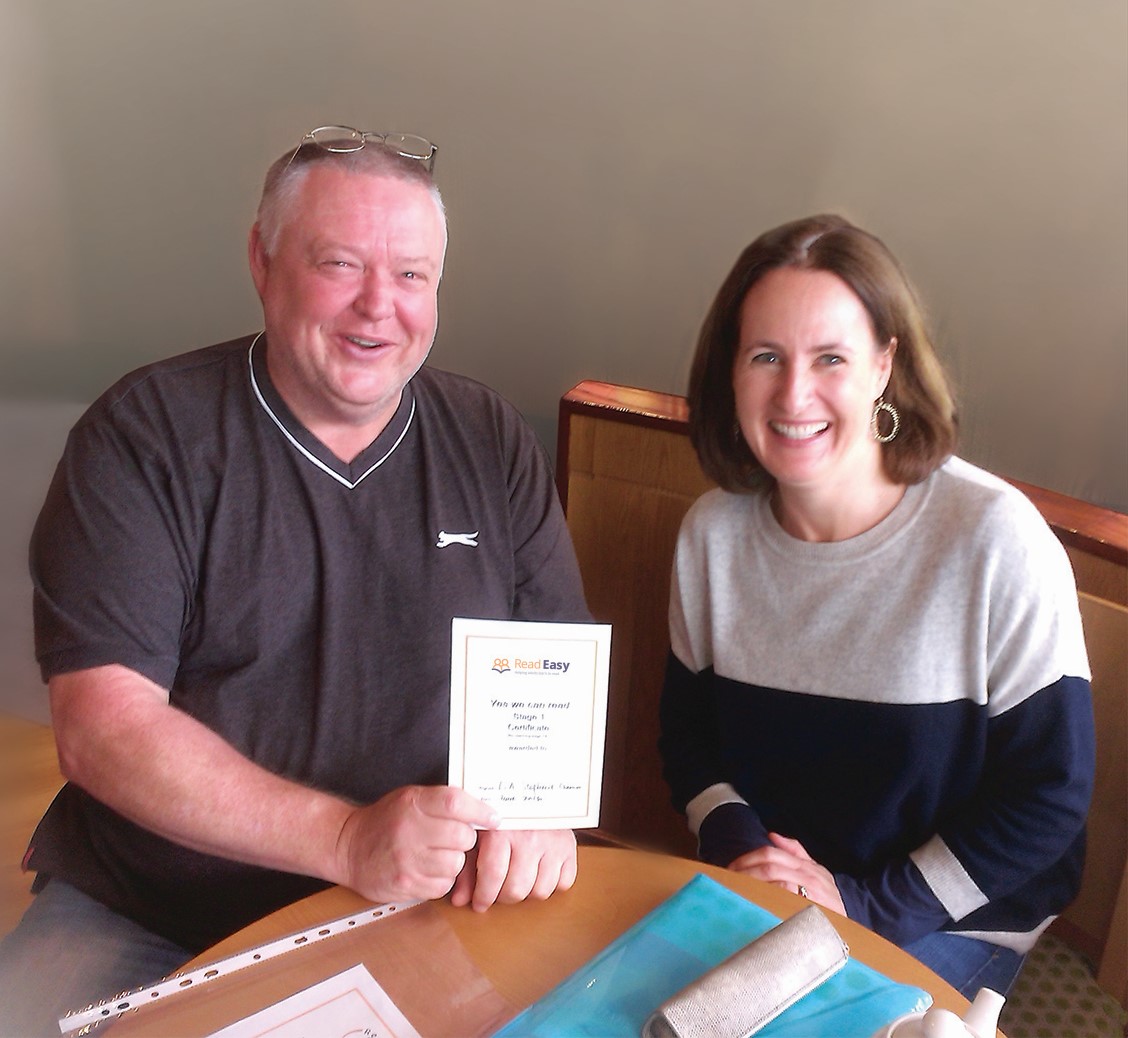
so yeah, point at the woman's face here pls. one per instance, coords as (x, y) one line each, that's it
(806, 373)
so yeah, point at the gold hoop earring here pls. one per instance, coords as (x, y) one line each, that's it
(889, 409)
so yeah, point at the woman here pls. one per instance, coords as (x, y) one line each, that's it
(878, 692)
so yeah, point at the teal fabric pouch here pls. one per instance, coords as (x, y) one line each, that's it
(688, 934)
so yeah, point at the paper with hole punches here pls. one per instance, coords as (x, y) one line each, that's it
(349, 1004)
(528, 716)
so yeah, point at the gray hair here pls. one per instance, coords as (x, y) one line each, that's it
(288, 173)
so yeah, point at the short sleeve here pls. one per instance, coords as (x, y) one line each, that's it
(110, 562)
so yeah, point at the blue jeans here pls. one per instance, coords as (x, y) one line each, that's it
(968, 964)
(69, 951)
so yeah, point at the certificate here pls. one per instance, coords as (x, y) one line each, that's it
(349, 1004)
(528, 715)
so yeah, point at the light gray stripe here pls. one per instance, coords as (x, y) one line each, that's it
(1019, 942)
(707, 800)
(989, 610)
(948, 879)
(305, 453)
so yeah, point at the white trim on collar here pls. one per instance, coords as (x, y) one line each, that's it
(352, 485)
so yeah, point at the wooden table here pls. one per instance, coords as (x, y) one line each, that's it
(497, 961)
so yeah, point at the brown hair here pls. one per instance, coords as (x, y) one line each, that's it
(288, 172)
(918, 387)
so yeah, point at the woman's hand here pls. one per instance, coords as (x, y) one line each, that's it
(787, 864)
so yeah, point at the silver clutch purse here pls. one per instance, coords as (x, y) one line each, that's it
(752, 987)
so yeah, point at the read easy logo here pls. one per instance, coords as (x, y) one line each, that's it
(542, 665)
(500, 665)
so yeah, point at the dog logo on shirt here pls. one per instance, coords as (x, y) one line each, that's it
(447, 539)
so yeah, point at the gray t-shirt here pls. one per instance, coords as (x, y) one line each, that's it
(300, 607)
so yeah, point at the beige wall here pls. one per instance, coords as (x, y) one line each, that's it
(603, 162)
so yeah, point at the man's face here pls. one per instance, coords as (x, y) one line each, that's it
(349, 297)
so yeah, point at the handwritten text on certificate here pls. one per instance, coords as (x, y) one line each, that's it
(528, 714)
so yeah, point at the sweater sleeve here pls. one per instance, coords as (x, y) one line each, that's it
(690, 759)
(1025, 821)
(725, 825)
(723, 822)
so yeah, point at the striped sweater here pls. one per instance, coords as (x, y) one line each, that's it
(911, 704)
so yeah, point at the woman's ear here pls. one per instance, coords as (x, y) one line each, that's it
(886, 366)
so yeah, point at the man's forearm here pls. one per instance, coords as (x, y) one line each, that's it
(121, 741)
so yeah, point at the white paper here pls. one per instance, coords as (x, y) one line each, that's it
(528, 716)
(348, 1004)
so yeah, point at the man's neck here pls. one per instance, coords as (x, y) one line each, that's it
(347, 442)
(346, 430)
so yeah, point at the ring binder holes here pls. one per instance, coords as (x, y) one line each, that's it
(179, 981)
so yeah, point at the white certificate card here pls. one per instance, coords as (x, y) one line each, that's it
(348, 1005)
(528, 714)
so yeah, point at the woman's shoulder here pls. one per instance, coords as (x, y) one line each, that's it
(973, 493)
(996, 526)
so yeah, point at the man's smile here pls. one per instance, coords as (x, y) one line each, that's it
(367, 344)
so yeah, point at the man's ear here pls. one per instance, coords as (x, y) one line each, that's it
(258, 259)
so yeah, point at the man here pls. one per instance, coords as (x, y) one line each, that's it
(243, 598)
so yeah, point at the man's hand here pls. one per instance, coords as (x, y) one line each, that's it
(787, 864)
(410, 844)
(510, 866)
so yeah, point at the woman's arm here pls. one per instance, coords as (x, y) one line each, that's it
(1020, 836)
(725, 826)
(1024, 825)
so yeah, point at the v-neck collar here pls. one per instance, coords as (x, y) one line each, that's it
(348, 474)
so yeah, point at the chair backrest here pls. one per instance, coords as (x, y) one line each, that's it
(1097, 922)
(626, 489)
